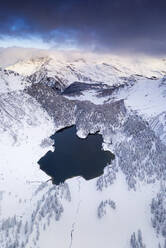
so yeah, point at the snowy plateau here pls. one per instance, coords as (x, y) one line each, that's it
(124, 98)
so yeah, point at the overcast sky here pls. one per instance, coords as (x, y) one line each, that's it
(102, 25)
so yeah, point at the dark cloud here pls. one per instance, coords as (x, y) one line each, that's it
(132, 25)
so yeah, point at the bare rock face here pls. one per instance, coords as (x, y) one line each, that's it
(42, 77)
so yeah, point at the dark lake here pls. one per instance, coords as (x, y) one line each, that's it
(74, 156)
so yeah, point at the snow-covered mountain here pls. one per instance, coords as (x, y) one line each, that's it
(123, 98)
(91, 68)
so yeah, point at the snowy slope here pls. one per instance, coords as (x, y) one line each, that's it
(92, 68)
(10, 80)
(113, 211)
(146, 96)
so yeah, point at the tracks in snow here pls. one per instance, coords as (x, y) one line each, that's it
(76, 215)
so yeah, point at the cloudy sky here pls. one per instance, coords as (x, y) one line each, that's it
(102, 25)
